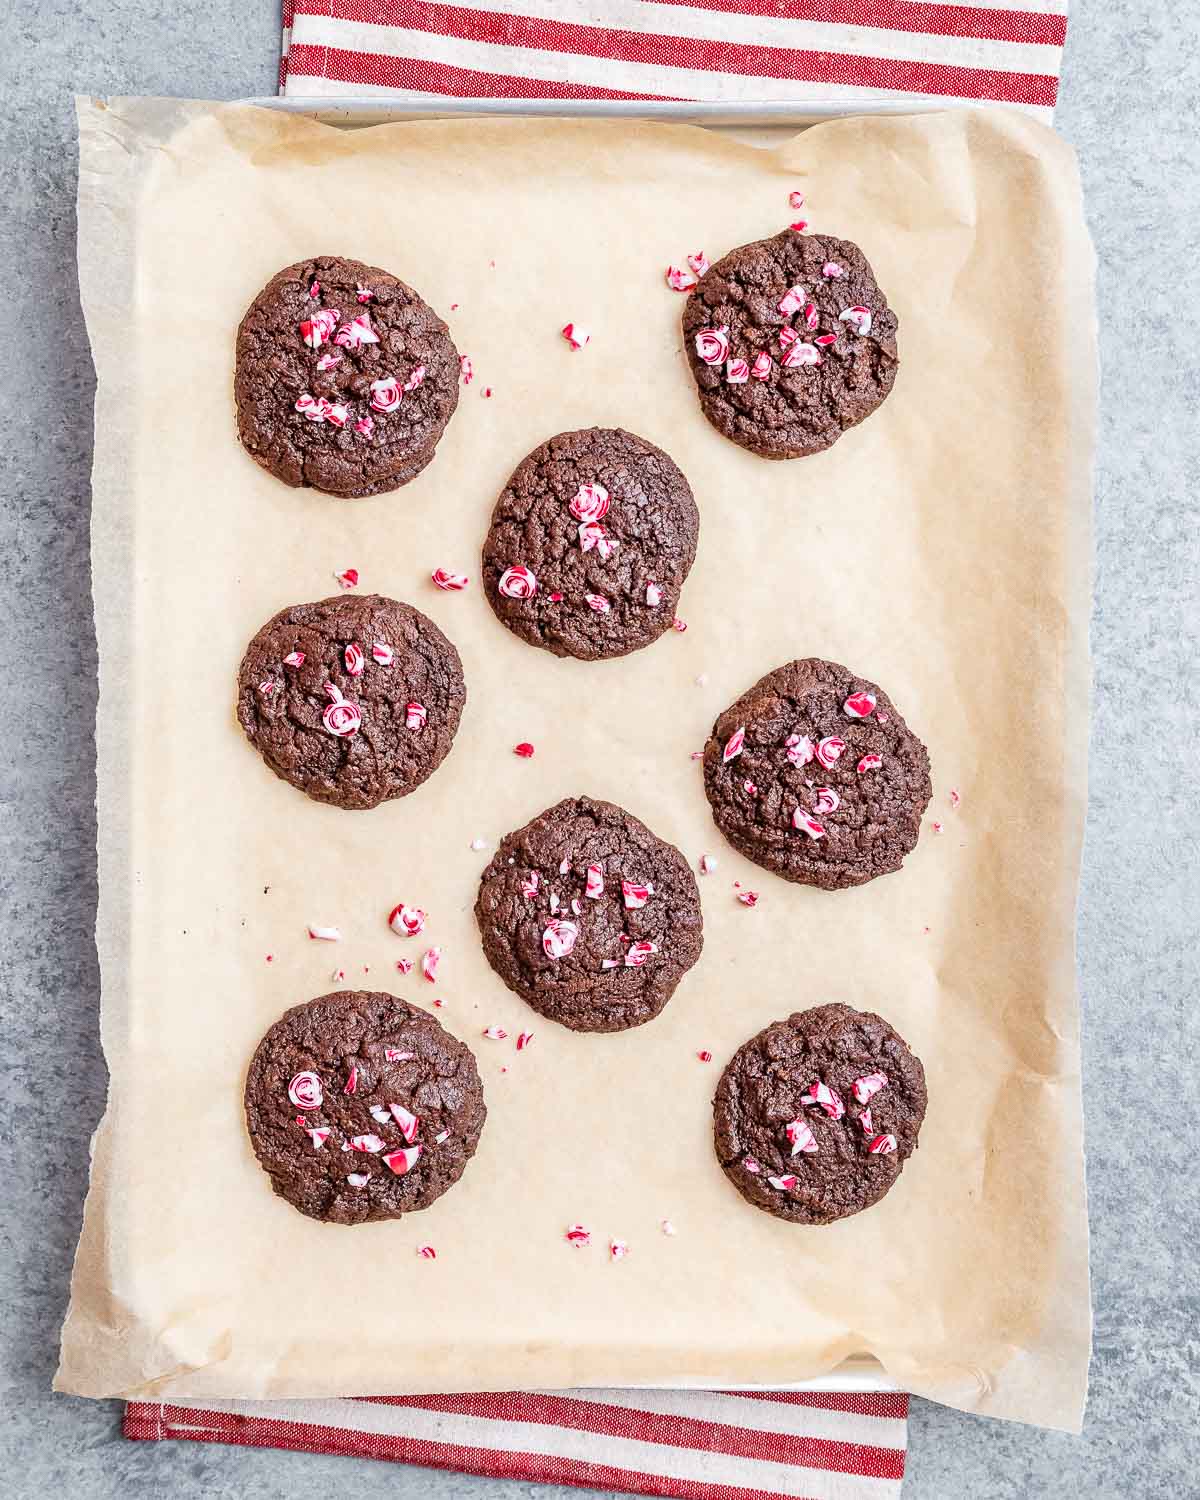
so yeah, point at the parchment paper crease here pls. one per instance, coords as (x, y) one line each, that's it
(940, 549)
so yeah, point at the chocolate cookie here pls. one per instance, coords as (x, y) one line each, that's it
(590, 543)
(589, 917)
(354, 699)
(791, 342)
(345, 378)
(814, 775)
(361, 1107)
(815, 1116)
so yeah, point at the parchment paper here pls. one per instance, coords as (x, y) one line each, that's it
(940, 549)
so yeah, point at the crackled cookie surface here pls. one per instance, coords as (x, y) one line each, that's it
(345, 379)
(815, 1116)
(589, 916)
(354, 699)
(590, 543)
(814, 775)
(791, 342)
(361, 1107)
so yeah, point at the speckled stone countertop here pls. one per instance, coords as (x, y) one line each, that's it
(1129, 94)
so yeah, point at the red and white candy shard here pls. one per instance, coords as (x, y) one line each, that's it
(801, 354)
(524, 750)
(635, 895)
(312, 408)
(866, 1087)
(341, 718)
(339, 976)
(955, 797)
(517, 583)
(748, 898)
(385, 394)
(653, 595)
(678, 624)
(576, 336)
(559, 938)
(750, 789)
(452, 583)
(365, 425)
(406, 921)
(787, 337)
(354, 659)
(429, 963)
(827, 800)
(799, 226)
(305, 1091)
(937, 825)
(800, 749)
(266, 687)
(441, 1137)
(352, 1080)
(866, 1122)
(598, 602)
(315, 331)
(315, 289)
(698, 262)
(751, 1165)
(679, 280)
(294, 659)
(358, 1179)
(783, 1184)
(859, 318)
(337, 414)
(363, 293)
(811, 320)
(403, 1160)
(523, 1040)
(704, 1055)
(529, 886)
(637, 953)
(318, 1137)
(761, 368)
(408, 1122)
(327, 361)
(792, 300)
(733, 745)
(592, 534)
(380, 1115)
(712, 345)
(881, 1145)
(415, 715)
(356, 333)
(394, 1054)
(382, 653)
(737, 372)
(869, 763)
(618, 1249)
(564, 867)
(824, 340)
(826, 1098)
(370, 1143)
(466, 369)
(427, 1252)
(495, 1033)
(414, 380)
(829, 750)
(832, 270)
(796, 199)
(325, 934)
(590, 503)
(859, 705)
(347, 578)
(708, 863)
(578, 1236)
(404, 965)
(804, 822)
(801, 1137)
(595, 882)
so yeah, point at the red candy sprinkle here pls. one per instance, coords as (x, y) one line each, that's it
(524, 750)
(403, 1160)
(859, 705)
(733, 745)
(712, 345)
(576, 336)
(869, 763)
(517, 583)
(429, 963)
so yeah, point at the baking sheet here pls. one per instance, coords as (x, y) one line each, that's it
(940, 549)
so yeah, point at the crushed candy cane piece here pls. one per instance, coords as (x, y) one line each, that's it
(327, 361)
(365, 425)
(825, 1098)
(266, 687)
(305, 1091)
(357, 333)
(358, 1179)
(761, 368)
(452, 583)
(430, 960)
(318, 1137)
(653, 595)
(635, 895)
(733, 745)
(751, 1165)
(749, 788)
(315, 289)
(712, 345)
(523, 1040)
(403, 1160)
(801, 1138)
(592, 534)
(524, 750)
(312, 407)
(316, 330)
(787, 337)
(704, 1055)
(406, 921)
(937, 825)
(339, 976)
(598, 602)
(783, 1184)
(415, 715)
(610, 963)
(495, 1033)
(441, 1137)
(801, 354)
(698, 262)
(404, 965)
(637, 953)
(824, 340)
(859, 318)
(799, 226)
(590, 503)
(426, 1252)
(354, 659)
(866, 1087)
(679, 280)
(678, 624)
(829, 750)
(595, 882)
(832, 270)
(341, 717)
(363, 293)
(565, 866)
(381, 1115)
(811, 319)
(294, 659)
(796, 200)
(800, 749)
(385, 394)
(396, 1054)
(827, 800)
(737, 372)
(559, 938)
(577, 337)
(529, 886)
(337, 414)
(804, 822)
(382, 653)
(578, 1236)
(869, 762)
(708, 863)
(479, 844)
(325, 934)
(792, 300)
(748, 898)
(955, 797)
(466, 369)
(352, 1080)
(881, 1145)
(859, 705)
(517, 583)
(408, 1123)
(369, 1143)
(618, 1249)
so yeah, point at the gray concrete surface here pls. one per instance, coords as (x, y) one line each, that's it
(1129, 98)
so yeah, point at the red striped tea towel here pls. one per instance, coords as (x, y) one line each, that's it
(698, 1445)
(712, 50)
